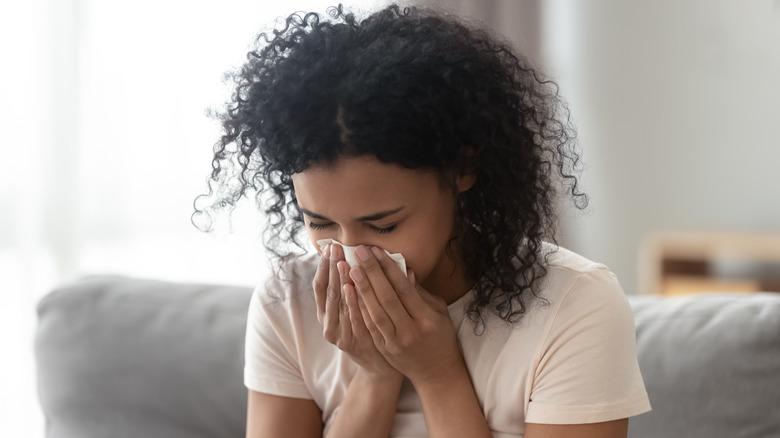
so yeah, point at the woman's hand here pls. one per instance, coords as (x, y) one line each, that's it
(409, 326)
(340, 316)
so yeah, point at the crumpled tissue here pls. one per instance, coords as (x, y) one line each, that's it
(349, 254)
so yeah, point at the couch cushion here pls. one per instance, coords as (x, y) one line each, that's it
(122, 357)
(711, 365)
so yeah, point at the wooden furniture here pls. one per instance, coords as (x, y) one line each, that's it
(675, 263)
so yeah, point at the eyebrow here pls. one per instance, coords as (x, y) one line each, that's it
(369, 218)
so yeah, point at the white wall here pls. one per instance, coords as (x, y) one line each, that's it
(678, 109)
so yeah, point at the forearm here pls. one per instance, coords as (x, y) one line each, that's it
(451, 408)
(368, 408)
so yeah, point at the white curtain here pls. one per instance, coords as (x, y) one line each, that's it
(105, 144)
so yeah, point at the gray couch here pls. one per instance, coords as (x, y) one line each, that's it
(120, 357)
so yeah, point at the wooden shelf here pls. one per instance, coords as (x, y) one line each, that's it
(675, 263)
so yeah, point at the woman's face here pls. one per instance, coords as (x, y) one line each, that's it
(362, 201)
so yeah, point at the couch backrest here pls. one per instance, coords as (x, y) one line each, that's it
(122, 357)
(711, 365)
(133, 358)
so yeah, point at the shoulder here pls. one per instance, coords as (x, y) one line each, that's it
(586, 302)
(284, 303)
(289, 281)
(572, 278)
(581, 297)
(585, 367)
(561, 261)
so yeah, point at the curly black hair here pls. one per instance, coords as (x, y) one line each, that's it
(420, 89)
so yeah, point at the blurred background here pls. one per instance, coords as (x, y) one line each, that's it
(106, 142)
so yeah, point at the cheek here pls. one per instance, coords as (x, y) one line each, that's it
(425, 245)
(424, 250)
(421, 260)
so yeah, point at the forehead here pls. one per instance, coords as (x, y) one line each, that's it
(361, 186)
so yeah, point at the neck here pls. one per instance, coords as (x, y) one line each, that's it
(448, 279)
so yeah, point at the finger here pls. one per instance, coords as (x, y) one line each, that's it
(320, 282)
(405, 287)
(375, 312)
(333, 295)
(357, 323)
(373, 331)
(345, 326)
(383, 288)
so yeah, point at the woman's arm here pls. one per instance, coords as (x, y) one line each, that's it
(370, 403)
(413, 331)
(450, 406)
(451, 409)
(368, 408)
(272, 416)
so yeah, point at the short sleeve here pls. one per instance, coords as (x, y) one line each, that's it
(271, 364)
(587, 369)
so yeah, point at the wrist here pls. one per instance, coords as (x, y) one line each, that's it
(443, 378)
(369, 406)
(450, 404)
(380, 379)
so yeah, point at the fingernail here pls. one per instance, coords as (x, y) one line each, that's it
(378, 253)
(411, 277)
(356, 274)
(345, 292)
(362, 253)
(326, 251)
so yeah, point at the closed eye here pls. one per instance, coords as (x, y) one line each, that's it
(381, 230)
(316, 226)
(384, 230)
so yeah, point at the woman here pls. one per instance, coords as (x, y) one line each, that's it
(410, 133)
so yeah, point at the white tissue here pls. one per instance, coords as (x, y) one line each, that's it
(349, 254)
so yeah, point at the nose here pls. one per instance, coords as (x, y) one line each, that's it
(352, 238)
(349, 241)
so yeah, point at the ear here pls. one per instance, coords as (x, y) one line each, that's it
(466, 181)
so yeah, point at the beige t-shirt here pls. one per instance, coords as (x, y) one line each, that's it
(572, 361)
